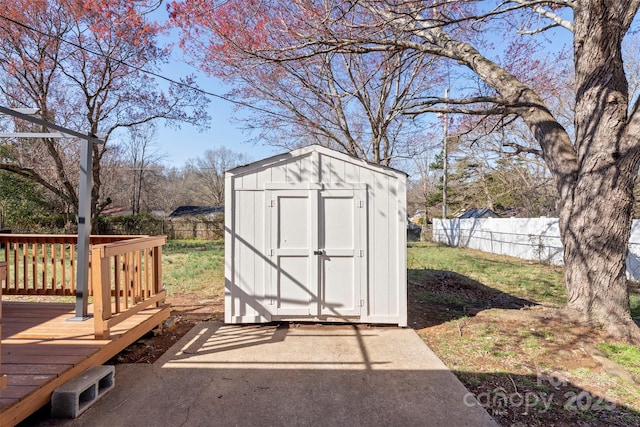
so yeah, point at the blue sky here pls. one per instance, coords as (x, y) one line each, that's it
(186, 143)
(178, 146)
(183, 144)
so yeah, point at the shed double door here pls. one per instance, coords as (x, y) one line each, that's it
(317, 257)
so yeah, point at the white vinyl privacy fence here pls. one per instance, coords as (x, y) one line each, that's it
(527, 238)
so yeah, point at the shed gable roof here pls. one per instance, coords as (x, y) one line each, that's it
(304, 151)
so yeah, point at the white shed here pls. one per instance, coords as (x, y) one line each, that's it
(315, 235)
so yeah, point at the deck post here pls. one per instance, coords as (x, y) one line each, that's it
(3, 274)
(84, 230)
(84, 202)
(157, 270)
(101, 293)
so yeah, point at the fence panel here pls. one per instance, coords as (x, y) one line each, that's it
(535, 239)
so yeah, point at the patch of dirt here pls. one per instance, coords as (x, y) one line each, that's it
(527, 364)
(186, 311)
(154, 344)
(447, 295)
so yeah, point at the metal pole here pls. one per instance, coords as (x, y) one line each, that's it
(48, 125)
(84, 230)
(84, 202)
(445, 160)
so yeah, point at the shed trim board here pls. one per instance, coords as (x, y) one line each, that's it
(315, 235)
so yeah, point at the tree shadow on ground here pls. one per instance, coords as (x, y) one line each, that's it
(512, 400)
(510, 348)
(544, 399)
(438, 296)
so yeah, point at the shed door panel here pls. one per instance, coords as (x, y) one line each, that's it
(292, 290)
(340, 220)
(316, 253)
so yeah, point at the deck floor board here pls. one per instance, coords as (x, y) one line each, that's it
(41, 350)
(29, 379)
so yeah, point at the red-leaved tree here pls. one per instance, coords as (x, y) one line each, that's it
(80, 64)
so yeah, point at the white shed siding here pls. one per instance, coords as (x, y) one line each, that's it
(401, 211)
(278, 173)
(249, 274)
(248, 265)
(351, 173)
(380, 303)
(387, 247)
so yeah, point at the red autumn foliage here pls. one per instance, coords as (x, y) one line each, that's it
(80, 62)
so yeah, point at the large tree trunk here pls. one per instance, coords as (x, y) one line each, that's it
(595, 232)
(595, 221)
(595, 175)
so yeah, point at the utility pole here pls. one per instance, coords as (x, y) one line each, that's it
(445, 160)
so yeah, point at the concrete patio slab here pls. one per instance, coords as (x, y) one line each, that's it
(289, 375)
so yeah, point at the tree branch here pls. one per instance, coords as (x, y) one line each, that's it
(521, 149)
(498, 110)
(558, 20)
(537, 31)
(428, 106)
(36, 177)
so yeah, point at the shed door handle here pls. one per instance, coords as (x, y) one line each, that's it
(320, 252)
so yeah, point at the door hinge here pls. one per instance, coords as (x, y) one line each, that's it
(360, 253)
(271, 203)
(361, 303)
(360, 203)
(272, 252)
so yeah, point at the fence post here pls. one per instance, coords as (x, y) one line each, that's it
(491, 239)
(157, 270)
(101, 293)
(4, 275)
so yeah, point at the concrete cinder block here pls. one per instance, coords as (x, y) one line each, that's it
(76, 396)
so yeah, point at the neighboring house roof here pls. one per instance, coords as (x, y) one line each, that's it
(479, 213)
(182, 211)
(116, 211)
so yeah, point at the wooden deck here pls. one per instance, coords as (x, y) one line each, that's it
(41, 350)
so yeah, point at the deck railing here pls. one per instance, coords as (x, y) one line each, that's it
(130, 272)
(43, 264)
(125, 275)
(3, 274)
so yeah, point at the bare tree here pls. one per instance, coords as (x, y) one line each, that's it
(208, 171)
(172, 189)
(143, 157)
(594, 173)
(498, 178)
